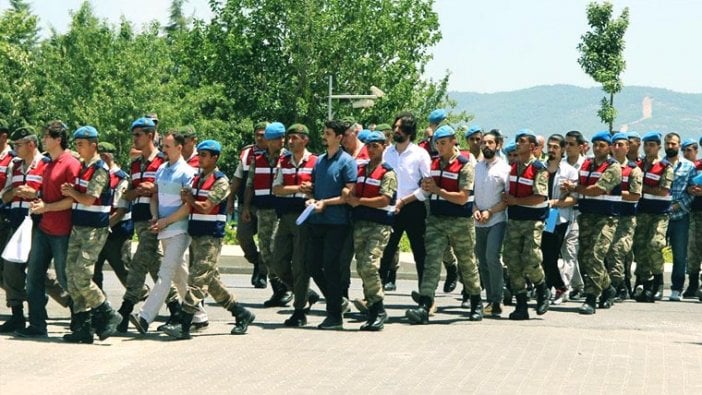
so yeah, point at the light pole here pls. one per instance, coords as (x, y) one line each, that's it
(360, 101)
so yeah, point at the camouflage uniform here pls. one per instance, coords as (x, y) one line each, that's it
(204, 275)
(84, 246)
(369, 240)
(522, 243)
(455, 232)
(619, 254)
(649, 237)
(596, 234)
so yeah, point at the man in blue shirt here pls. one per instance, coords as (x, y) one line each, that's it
(333, 177)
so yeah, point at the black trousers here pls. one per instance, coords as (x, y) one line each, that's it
(551, 248)
(411, 219)
(323, 258)
(112, 253)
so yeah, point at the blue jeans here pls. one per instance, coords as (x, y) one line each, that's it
(488, 246)
(678, 233)
(44, 248)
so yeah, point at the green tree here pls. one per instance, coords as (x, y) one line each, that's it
(601, 53)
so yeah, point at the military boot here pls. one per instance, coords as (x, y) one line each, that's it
(451, 278)
(182, 331)
(124, 310)
(476, 308)
(105, 320)
(389, 284)
(647, 294)
(420, 315)
(588, 307)
(297, 319)
(83, 332)
(543, 298)
(175, 310)
(657, 286)
(376, 318)
(693, 286)
(243, 316)
(281, 296)
(607, 297)
(521, 312)
(16, 322)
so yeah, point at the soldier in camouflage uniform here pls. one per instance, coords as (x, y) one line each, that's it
(617, 260)
(652, 219)
(450, 223)
(599, 187)
(259, 194)
(527, 208)
(206, 227)
(372, 198)
(93, 200)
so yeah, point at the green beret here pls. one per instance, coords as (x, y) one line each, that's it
(298, 128)
(22, 133)
(260, 126)
(187, 131)
(107, 148)
(348, 121)
(383, 127)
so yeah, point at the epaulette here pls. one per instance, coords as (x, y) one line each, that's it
(631, 164)
(538, 165)
(386, 166)
(666, 163)
(462, 159)
(611, 160)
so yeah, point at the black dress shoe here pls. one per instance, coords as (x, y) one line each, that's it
(31, 332)
(451, 278)
(296, 320)
(390, 287)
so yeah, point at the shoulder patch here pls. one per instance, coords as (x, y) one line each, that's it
(462, 159)
(538, 165)
(631, 164)
(386, 166)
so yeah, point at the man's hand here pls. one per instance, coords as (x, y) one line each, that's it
(67, 189)
(37, 207)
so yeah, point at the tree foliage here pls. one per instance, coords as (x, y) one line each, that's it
(601, 53)
(255, 60)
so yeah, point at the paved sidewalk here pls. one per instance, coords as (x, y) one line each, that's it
(632, 348)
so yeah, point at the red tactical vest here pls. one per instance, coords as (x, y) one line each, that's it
(607, 204)
(19, 208)
(523, 186)
(213, 222)
(368, 186)
(141, 205)
(4, 162)
(96, 215)
(294, 203)
(627, 208)
(447, 178)
(263, 197)
(649, 203)
(125, 227)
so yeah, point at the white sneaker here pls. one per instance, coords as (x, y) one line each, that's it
(675, 296)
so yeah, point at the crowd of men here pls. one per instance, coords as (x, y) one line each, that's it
(507, 219)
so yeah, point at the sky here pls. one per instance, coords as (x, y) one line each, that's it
(500, 45)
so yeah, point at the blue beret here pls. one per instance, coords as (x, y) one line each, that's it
(511, 147)
(653, 135)
(444, 131)
(473, 130)
(524, 132)
(620, 136)
(85, 132)
(375, 137)
(633, 135)
(437, 115)
(688, 142)
(602, 135)
(274, 131)
(210, 145)
(143, 122)
(363, 135)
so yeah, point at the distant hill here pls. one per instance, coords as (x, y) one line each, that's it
(559, 108)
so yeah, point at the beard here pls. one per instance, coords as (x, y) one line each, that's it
(488, 153)
(671, 153)
(399, 138)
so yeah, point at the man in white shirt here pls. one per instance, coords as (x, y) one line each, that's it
(411, 164)
(491, 181)
(568, 265)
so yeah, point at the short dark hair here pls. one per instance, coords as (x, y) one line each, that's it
(558, 138)
(577, 135)
(178, 137)
(671, 134)
(497, 134)
(408, 124)
(339, 127)
(58, 129)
